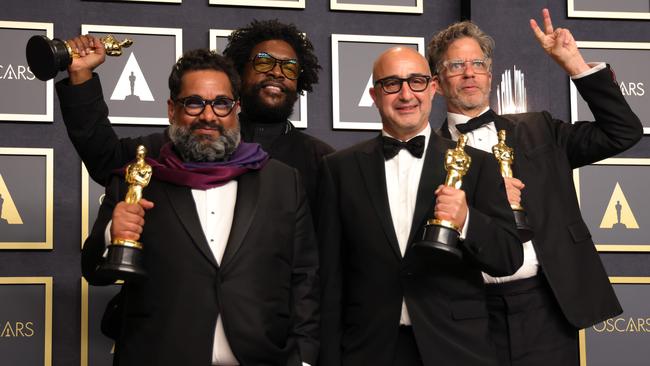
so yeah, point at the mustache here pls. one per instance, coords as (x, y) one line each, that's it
(271, 81)
(204, 125)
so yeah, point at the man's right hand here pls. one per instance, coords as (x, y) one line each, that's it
(128, 219)
(513, 190)
(91, 54)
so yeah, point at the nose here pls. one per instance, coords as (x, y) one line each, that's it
(405, 92)
(468, 71)
(208, 114)
(276, 71)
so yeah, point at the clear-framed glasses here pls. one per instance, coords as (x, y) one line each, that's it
(392, 85)
(457, 67)
(263, 62)
(194, 105)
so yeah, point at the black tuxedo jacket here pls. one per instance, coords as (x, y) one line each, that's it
(266, 288)
(546, 152)
(86, 119)
(365, 278)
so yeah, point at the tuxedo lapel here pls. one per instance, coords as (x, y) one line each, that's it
(245, 208)
(433, 174)
(373, 170)
(444, 130)
(183, 205)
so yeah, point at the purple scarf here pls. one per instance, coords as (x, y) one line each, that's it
(170, 168)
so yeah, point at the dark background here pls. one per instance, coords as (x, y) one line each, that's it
(506, 20)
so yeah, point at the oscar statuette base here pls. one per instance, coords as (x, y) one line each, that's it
(123, 262)
(524, 229)
(440, 236)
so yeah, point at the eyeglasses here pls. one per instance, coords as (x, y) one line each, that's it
(263, 62)
(194, 105)
(392, 85)
(457, 67)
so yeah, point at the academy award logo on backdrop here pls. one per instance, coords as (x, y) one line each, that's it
(136, 82)
(219, 41)
(24, 98)
(615, 204)
(623, 340)
(26, 321)
(629, 61)
(26, 198)
(352, 60)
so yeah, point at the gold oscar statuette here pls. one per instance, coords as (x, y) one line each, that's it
(124, 259)
(442, 235)
(505, 155)
(46, 57)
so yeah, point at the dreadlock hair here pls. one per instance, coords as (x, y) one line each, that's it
(242, 41)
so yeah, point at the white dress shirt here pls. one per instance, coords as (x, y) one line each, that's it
(215, 208)
(402, 180)
(484, 138)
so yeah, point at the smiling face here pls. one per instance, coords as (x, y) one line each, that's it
(467, 93)
(269, 95)
(406, 113)
(205, 137)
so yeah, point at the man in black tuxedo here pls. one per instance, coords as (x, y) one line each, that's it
(562, 286)
(383, 302)
(229, 245)
(276, 63)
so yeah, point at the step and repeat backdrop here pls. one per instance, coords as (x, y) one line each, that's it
(50, 316)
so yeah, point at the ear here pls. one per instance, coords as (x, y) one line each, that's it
(436, 85)
(170, 110)
(373, 95)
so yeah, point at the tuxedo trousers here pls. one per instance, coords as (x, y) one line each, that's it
(527, 325)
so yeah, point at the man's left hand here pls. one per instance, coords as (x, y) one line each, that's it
(560, 45)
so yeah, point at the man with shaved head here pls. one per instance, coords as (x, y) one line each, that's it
(384, 303)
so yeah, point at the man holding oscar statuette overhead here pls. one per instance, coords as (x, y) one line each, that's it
(562, 286)
(276, 63)
(228, 245)
(384, 303)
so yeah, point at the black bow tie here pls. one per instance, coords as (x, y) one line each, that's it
(477, 122)
(415, 146)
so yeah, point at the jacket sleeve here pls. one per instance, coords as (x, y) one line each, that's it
(85, 115)
(94, 246)
(329, 239)
(615, 129)
(305, 283)
(492, 241)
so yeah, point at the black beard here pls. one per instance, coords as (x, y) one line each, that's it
(256, 111)
(201, 148)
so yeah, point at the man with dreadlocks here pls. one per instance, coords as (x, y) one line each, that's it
(275, 61)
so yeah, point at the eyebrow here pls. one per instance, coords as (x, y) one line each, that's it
(398, 77)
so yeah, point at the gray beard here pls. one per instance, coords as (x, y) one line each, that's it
(197, 148)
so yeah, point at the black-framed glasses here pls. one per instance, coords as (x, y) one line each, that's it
(263, 62)
(392, 85)
(457, 67)
(194, 105)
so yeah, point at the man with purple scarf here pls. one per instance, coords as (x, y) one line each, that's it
(229, 246)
